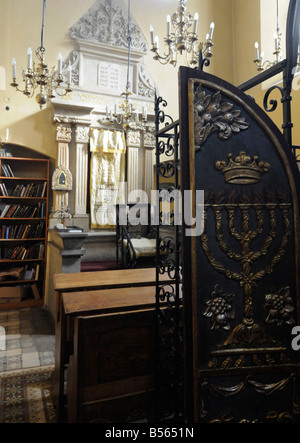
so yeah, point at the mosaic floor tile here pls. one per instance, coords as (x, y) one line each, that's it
(29, 339)
(30, 360)
(13, 362)
(47, 358)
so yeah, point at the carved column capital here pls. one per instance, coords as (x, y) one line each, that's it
(82, 134)
(149, 140)
(134, 138)
(63, 133)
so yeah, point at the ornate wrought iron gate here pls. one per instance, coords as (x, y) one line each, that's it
(168, 261)
(241, 276)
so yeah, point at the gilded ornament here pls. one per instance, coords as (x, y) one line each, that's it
(248, 333)
(279, 307)
(211, 115)
(219, 309)
(243, 170)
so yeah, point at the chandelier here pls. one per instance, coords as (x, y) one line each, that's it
(39, 76)
(183, 39)
(126, 113)
(259, 57)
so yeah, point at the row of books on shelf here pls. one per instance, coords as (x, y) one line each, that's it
(17, 293)
(23, 211)
(28, 272)
(21, 190)
(31, 272)
(6, 170)
(8, 232)
(24, 252)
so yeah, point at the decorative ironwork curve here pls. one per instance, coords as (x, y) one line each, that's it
(273, 102)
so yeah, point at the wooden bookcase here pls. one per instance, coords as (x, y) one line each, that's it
(24, 193)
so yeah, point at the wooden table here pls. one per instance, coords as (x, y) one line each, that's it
(90, 293)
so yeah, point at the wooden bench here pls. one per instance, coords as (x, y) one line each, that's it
(111, 374)
(92, 293)
(117, 278)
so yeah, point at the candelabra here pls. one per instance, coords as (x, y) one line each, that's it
(126, 113)
(63, 214)
(248, 334)
(182, 39)
(259, 58)
(39, 76)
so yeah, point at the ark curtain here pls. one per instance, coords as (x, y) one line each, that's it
(108, 149)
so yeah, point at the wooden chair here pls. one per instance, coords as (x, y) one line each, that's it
(111, 374)
(135, 244)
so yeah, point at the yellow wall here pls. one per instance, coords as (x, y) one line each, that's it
(239, 23)
(20, 28)
(20, 23)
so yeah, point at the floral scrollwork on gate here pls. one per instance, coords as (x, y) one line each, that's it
(211, 114)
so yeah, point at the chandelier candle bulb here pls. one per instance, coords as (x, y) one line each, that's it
(14, 68)
(144, 111)
(168, 25)
(69, 74)
(59, 63)
(256, 51)
(152, 35)
(156, 43)
(29, 53)
(196, 18)
(211, 31)
(276, 41)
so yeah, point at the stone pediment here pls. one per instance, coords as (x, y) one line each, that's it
(107, 22)
(100, 58)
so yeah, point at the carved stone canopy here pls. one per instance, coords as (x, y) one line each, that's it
(106, 22)
(100, 58)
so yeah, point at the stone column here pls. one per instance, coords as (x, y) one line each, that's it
(133, 172)
(63, 138)
(149, 147)
(81, 181)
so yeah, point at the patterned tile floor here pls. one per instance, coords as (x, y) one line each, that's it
(26, 339)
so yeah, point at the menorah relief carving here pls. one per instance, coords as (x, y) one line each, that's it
(259, 216)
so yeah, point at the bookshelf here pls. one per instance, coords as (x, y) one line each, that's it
(24, 193)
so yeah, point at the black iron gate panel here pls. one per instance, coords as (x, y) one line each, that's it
(168, 262)
(241, 275)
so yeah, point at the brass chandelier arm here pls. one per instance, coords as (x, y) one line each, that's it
(39, 76)
(183, 39)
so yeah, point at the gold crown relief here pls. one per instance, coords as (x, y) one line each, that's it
(243, 170)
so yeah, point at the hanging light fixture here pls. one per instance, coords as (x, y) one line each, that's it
(259, 57)
(39, 76)
(183, 39)
(125, 113)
